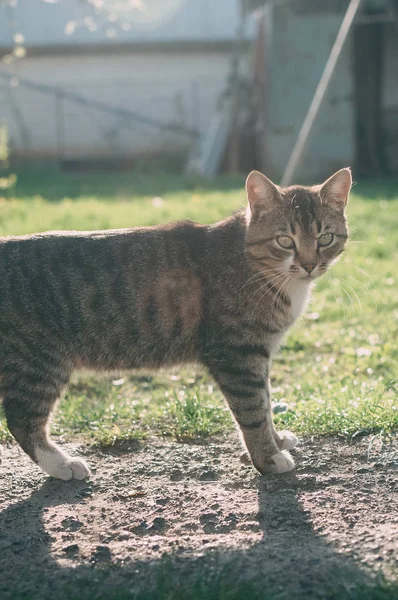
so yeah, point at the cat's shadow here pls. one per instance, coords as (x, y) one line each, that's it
(290, 559)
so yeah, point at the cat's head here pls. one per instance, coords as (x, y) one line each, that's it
(298, 230)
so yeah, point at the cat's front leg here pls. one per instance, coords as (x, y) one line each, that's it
(246, 389)
(286, 440)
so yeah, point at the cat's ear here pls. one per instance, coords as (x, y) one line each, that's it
(336, 189)
(261, 192)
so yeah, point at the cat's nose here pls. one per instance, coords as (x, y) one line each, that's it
(309, 267)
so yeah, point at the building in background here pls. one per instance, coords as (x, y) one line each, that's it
(221, 85)
(357, 123)
(122, 81)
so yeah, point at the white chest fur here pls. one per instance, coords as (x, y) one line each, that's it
(299, 293)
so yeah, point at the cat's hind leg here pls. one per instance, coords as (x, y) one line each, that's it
(28, 404)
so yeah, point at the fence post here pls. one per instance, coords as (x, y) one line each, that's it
(60, 124)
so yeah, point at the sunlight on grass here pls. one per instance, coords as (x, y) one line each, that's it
(189, 414)
(348, 411)
(135, 407)
(337, 370)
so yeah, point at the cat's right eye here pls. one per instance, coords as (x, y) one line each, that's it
(285, 242)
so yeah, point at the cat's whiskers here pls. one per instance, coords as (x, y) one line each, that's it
(339, 297)
(364, 288)
(275, 277)
(347, 262)
(251, 280)
(364, 273)
(347, 293)
(341, 303)
(346, 288)
(350, 287)
(281, 289)
(360, 283)
(275, 304)
(270, 288)
(270, 284)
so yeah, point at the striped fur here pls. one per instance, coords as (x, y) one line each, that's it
(221, 295)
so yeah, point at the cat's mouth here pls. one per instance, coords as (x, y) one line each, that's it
(309, 276)
(305, 276)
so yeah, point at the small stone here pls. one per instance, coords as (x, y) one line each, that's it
(141, 528)
(85, 492)
(71, 549)
(158, 524)
(393, 464)
(162, 501)
(71, 524)
(208, 518)
(102, 553)
(176, 475)
(279, 407)
(208, 475)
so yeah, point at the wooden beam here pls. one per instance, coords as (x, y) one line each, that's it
(320, 92)
(110, 49)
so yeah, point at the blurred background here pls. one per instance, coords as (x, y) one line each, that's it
(200, 86)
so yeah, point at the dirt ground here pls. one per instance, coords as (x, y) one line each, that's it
(323, 531)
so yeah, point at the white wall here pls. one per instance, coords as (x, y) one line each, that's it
(171, 88)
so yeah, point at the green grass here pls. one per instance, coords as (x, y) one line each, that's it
(337, 372)
(135, 407)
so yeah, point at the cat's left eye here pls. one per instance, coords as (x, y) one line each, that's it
(326, 239)
(285, 242)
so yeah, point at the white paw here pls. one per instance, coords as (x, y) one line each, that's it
(280, 463)
(56, 463)
(288, 439)
(78, 468)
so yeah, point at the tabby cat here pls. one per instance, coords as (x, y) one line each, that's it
(221, 295)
